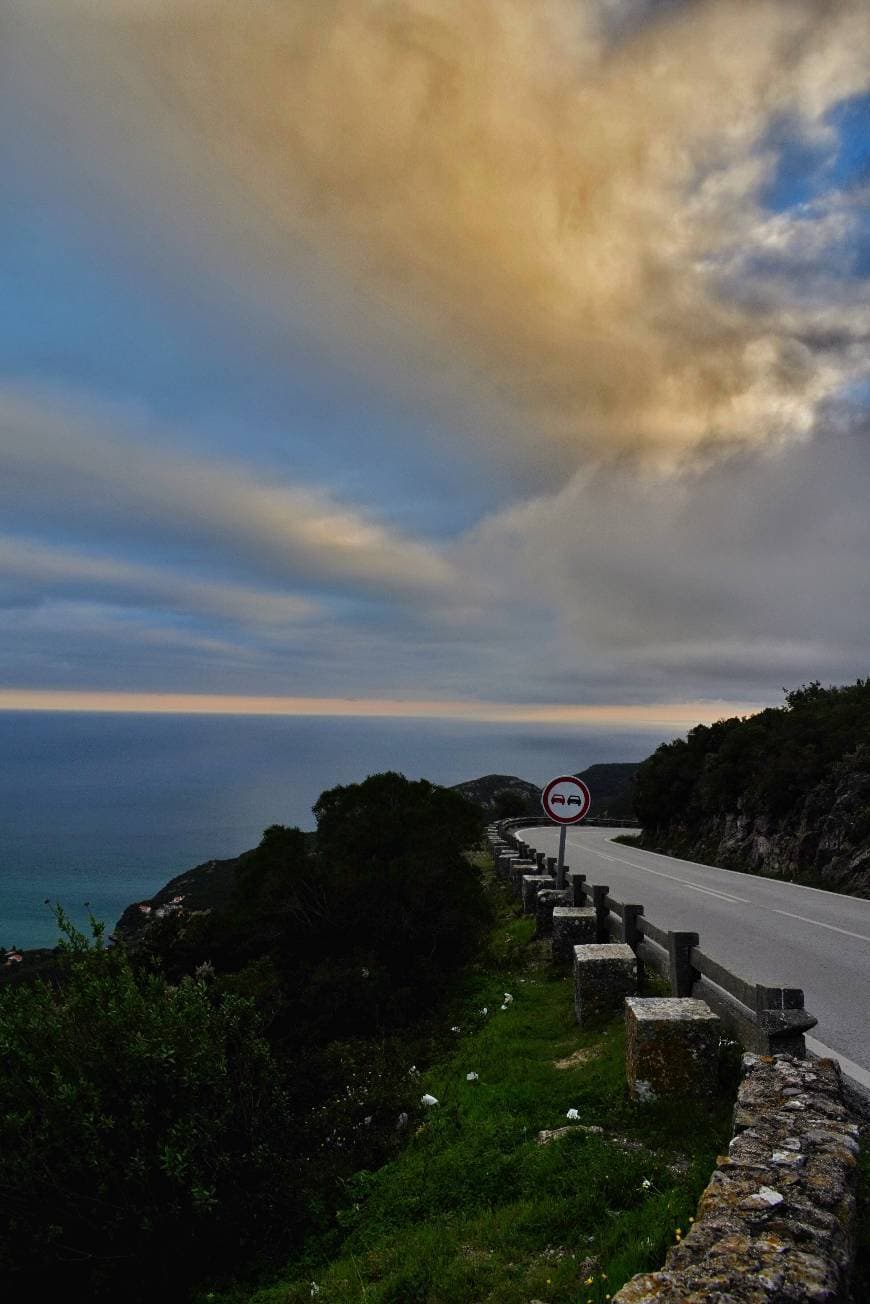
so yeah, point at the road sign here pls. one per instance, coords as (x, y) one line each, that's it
(566, 800)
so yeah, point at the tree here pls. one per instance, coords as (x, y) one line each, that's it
(401, 898)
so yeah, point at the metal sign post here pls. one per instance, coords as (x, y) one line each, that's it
(560, 863)
(566, 800)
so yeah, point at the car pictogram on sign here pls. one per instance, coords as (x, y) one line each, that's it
(557, 800)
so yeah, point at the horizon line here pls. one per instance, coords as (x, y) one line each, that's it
(616, 715)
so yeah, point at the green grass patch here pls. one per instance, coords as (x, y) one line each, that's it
(861, 1273)
(475, 1207)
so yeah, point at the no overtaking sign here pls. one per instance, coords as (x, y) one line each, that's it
(566, 800)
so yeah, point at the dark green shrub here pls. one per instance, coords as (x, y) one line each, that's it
(402, 906)
(144, 1132)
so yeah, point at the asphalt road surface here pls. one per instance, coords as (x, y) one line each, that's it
(763, 929)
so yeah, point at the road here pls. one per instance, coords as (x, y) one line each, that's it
(765, 930)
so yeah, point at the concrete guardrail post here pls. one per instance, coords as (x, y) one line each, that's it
(602, 912)
(575, 882)
(683, 975)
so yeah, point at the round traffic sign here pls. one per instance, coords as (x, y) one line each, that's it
(566, 800)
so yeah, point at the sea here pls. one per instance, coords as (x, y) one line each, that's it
(100, 810)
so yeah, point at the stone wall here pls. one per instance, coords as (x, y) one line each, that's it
(775, 1222)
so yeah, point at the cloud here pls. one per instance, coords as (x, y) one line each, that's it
(33, 573)
(534, 193)
(753, 573)
(94, 471)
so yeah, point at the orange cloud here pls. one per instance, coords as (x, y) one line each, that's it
(543, 209)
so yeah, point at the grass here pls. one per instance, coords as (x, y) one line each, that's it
(474, 1208)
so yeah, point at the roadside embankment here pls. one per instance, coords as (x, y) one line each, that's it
(776, 1221)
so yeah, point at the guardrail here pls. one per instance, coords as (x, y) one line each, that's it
(541, 821)
(766, 1020)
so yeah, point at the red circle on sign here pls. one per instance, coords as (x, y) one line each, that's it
(573, 802)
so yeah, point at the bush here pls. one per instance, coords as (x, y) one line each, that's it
(767, 764)
(143, 1129)
(400, 900)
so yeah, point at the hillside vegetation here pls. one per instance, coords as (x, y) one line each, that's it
(194, 1100)
(611, 787)
(534, 1178)
(785, 792)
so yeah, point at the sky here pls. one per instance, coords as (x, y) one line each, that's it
(501, 360)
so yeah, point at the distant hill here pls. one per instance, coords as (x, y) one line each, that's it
(505, 794)
(502, 794)
(611, 788)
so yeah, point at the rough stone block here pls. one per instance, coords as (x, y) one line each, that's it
(672, 1047)
(499, 850)
(548, 899)
(604, 974)
(571, 926)
(532, 884)
(505, 861)
(518, 868)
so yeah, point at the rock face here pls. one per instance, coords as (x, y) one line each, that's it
(775, 1223)
(828, 840)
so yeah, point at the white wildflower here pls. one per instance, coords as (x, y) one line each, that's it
(502, 1007)
(413, 1071)
(471, 1077)
(485, 1010)
(364, 972)
(428, 1100)
(573, 1114)
(645, 1184)
(456, 1028)
(315, 1289)
(508, 998)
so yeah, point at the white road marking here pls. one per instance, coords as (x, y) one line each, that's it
(632, 864)
(818, 923)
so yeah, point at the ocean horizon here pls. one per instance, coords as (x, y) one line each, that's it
(99, 810)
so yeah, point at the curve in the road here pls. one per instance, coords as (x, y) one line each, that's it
(767, 930)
